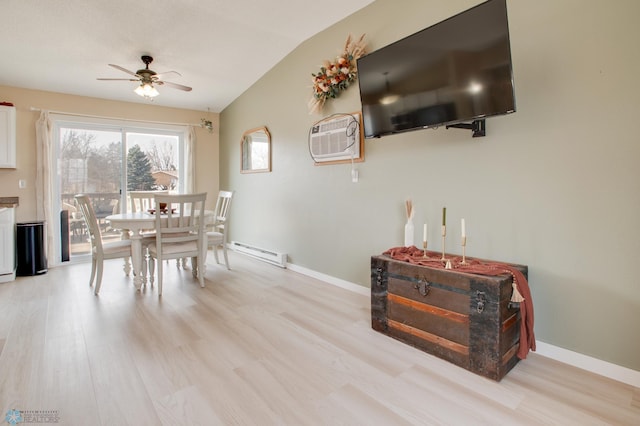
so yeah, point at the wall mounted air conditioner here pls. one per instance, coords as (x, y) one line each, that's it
(335, 138)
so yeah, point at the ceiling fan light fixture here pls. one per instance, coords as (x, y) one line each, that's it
(147, 79)
(147, 90)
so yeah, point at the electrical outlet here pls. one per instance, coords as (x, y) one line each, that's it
(22, 184)
(354, 176)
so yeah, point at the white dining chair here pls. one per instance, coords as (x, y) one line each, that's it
(143, 201)
(217, 235)
(100, 251)
(179, 233)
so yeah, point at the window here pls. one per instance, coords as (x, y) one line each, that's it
(105, 159)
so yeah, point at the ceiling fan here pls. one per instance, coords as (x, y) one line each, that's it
(148, 78)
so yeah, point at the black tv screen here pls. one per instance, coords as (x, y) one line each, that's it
(456, 71)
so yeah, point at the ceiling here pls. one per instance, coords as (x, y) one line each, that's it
(219, 47)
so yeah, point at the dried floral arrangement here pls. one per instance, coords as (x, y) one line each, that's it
(206, 124)
(336, 76)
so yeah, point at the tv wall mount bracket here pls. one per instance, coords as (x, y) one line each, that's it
(477, 127)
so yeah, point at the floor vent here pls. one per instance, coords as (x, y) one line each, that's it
(275, 258)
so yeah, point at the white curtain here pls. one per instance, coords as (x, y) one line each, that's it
(190, 163)
(44, 185)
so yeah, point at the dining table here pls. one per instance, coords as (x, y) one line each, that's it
(132, 224)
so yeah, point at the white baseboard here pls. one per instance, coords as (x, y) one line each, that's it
(594, 365)
(5, 278)
(329, 279)
(584, 362)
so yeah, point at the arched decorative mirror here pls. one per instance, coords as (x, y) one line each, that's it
(255, 146)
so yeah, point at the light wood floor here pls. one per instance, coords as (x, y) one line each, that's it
(258, 346)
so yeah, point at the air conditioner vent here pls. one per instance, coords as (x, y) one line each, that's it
(336, 137)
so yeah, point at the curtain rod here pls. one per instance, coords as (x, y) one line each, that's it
(75, 114)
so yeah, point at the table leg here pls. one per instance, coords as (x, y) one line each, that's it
(127, 267)
(136, 259)
(127, 264)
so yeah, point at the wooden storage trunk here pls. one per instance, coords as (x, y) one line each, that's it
(464, 318)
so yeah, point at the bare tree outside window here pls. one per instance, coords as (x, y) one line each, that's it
(162, 156)
(163, 164)
(87, 165)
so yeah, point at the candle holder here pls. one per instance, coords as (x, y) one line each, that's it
(464, 257)
(424, 246)
(444, 234)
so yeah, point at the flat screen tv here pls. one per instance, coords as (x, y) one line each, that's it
(454, 72)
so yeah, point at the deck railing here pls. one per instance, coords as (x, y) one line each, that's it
(104, 204)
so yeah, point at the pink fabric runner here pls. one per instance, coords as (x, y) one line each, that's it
(415, 256)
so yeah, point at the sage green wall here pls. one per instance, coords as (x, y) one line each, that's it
(555, 186)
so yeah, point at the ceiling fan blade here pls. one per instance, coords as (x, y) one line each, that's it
(119, 79)
(118, 67)
(175, 85)
(162, 75)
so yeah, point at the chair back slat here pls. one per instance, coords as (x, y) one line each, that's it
(143, 201)
(89, 215)
(181, 223)
(217, 231)
(223, 206)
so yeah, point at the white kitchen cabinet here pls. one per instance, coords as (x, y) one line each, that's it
(7, 137)
(7, 244)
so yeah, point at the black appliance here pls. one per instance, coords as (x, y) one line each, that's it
(31, 250)
(454, 72)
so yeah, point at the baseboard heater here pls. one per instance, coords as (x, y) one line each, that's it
(275, 258)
